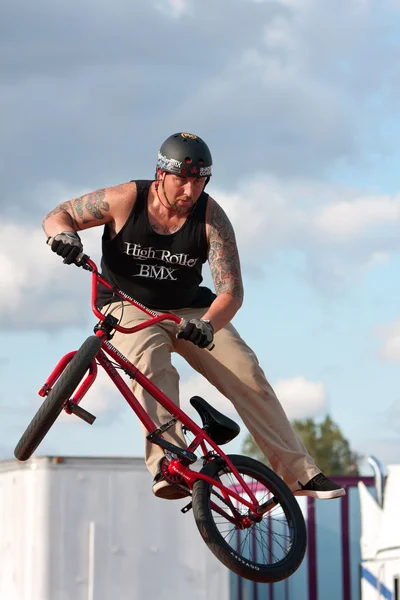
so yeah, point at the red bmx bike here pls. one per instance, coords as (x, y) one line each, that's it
(245, 513)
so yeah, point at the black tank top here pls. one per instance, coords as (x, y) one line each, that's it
(160, 271)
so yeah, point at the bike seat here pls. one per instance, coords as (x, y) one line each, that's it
(220, 428)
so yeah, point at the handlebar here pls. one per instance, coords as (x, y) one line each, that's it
(84, 261)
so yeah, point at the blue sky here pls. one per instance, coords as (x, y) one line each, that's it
(299, 103)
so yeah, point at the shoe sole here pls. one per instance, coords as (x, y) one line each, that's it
(320, 495)
(164, 490)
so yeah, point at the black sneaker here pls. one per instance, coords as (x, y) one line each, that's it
(320, 487)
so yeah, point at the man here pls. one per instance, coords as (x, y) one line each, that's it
(157, 235)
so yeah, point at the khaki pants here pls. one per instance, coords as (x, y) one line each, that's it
(232, 367)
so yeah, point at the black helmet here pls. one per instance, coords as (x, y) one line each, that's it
(185, 154)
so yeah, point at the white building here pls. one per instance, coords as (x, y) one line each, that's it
(90, 529)
(380, 540)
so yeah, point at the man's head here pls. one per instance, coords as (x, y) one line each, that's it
(184, 167)
(185, 154)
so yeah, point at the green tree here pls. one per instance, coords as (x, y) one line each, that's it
(250, 448)
(324, 441)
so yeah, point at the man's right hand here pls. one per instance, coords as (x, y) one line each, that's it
(68, 245)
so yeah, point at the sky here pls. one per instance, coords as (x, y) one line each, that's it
(298, 101)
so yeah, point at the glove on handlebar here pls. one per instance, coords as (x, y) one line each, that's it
(68, 245)
(197, 331)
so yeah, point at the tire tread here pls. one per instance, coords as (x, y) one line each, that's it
(217, 544)
(53, 404)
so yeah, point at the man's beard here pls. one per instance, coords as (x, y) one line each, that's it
(180, 208)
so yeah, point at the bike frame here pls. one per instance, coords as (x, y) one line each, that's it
(201, 439)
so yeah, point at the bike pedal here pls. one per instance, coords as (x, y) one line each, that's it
(182, 453)
(186, 508)
(81, 413)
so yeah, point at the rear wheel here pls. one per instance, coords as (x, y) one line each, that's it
(264, 549)
(57, 398)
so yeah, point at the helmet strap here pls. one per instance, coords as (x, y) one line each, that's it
(170, 207)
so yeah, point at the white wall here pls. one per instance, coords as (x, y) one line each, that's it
(144, 547)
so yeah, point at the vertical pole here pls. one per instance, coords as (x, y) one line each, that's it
(312, 550)
(270, 553)
(240, 580)
(345, 547)
(91, 557)
(254, 548)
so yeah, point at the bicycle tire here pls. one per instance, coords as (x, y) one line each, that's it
(232, 557)
(55, 401)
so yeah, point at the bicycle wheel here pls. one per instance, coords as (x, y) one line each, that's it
(266, 549)
(54, 403)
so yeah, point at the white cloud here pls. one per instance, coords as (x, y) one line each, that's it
(174, 8)
(378, 258)
(333, 227)
(283, 213)
(103, 400)
(178, 6)
(298, 91)
(279, 34)
(48, 194)
(337, 229)
(301, 103)
(353, 217)
(38, 290)
(297, 4)
(302, 398)
(197, 385)
(390, 350)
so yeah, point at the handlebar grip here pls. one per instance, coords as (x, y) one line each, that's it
(49, 242)
(183, 323)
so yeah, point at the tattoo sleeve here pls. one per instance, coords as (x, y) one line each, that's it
(223, 255)
(86, 211)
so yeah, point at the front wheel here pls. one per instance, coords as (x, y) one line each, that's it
(57, 398)
(264, 549)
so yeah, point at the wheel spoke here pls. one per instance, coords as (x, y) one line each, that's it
(262, 540)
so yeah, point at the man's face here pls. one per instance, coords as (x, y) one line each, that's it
(182, 192)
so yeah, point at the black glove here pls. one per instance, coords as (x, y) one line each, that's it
(197, 331)
(68, 245)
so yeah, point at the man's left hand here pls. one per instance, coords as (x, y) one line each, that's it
(198, 332)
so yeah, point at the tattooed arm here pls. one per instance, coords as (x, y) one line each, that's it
(223, 258)
(107, 205)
